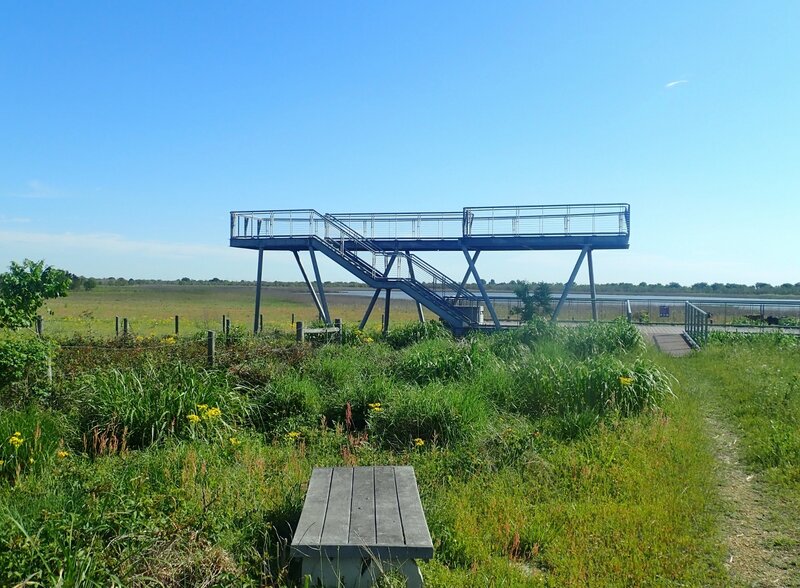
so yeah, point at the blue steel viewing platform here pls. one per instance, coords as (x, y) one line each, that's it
(379, 248)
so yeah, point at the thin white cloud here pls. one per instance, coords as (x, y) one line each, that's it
(13, 220)
(36, 190)
(675, 83)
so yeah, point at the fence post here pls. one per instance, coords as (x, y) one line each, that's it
(116, 325)
(223, 324)
(39, 325)
(227, 327)
(177, 325)
(125, 327)
(292, 318)
(210, 348)
(261, 323)
(300, 334)
(338, 324)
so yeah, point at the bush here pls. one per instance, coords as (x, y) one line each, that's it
(435, 413)
(146, 404)
(291, 400)
(23, 362)
(438, 360)
(411, 333)
(618, 336)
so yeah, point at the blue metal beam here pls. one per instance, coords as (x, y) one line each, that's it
(375, 295)
(568, 285)
(592, 289)
(326, 316)
(308, 283)
(411, 275)
(486, 299)
(258, 289)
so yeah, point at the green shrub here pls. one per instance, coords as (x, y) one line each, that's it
(23, 362)
(411, 333)
(596, 338)
(435, 413)
(145, 404)
(291, 400)
(438, 360)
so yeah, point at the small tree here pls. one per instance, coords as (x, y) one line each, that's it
(25, 287)
(541, 299)
(532, 303)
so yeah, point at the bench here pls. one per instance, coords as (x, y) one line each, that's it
(358, 523)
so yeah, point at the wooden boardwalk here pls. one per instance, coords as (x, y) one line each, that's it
(668, 338)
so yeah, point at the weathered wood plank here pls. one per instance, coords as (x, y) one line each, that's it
(415, 527)
(309, 527)
(362, 514)
(337, 520)
(389, 528)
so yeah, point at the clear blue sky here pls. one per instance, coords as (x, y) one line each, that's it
(130, 129)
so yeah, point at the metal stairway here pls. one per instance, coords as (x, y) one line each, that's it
(436, 291)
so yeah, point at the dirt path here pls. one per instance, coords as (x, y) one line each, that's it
(762, 548)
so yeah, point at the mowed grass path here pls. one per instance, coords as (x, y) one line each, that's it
(151, 309)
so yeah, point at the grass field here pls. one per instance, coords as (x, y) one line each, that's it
(545, 456)
(151, 309)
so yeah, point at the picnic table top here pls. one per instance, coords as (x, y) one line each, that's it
(363, 511)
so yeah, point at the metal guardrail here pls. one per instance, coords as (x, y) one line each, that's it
(696, 322)
(547, 220)
(405, 225)
(494, 221)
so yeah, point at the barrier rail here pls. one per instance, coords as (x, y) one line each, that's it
(696, 322)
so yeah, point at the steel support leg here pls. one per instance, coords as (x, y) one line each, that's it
(258, 289)
(377, 293)
(411, 275)
(568, 285)
(592, 288)
(386, 308)
(488, 302)
(326, 316)
(466, 276)
(308, 283)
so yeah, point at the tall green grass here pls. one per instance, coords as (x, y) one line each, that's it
(141, 406)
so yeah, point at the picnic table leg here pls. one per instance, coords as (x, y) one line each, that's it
(410, 570)
(346, 572)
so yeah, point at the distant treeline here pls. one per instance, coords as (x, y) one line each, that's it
(699, 288)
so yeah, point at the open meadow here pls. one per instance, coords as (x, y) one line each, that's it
(545, 455)
(151, 308)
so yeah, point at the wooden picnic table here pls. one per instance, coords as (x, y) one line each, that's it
(358, 523)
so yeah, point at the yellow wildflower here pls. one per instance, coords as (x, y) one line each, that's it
(62, 454)
(212, 413)
(16, 440)
(202, 407)
(377, 409)
(2, 462)
(625, 381)
(234, 441)
(293, 435)
(193, 418)
(374, 405)
(419, 442)
(30, 459)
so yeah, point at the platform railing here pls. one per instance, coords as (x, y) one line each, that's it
(547, 220)
(405, 225)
